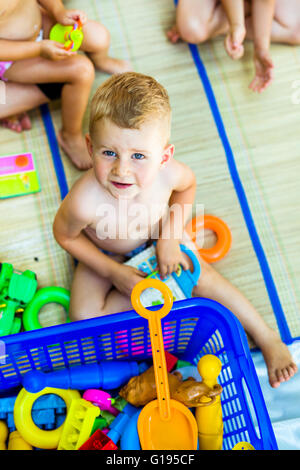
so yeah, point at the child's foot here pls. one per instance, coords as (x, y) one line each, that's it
(112, 66)
(173, 34)
(75, 148)
(17, 123)
(278, 358)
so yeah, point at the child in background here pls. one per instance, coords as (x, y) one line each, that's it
(37, 69)
(127, 199)
(262, 21)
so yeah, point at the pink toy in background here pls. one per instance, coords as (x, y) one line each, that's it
(101, 399)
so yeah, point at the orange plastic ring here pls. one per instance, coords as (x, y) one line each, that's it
(155, 284)
(210, 222)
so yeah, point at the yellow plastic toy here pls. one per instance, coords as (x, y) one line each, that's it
(163, 424)
(24, 423)
(209, 418)
(243, 446)
(3, 435)
(78, 424)
(71, 36)
(16, 442)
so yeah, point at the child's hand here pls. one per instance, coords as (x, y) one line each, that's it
(126, 278)
(67, 17)
(53, 50)
(263, 71)
(169, 256)
(234, 42)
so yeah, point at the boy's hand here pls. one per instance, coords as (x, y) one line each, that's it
(234, 42)
(169, 256)
(126, 277)
(68, 17)
(53, 50)
(263, 71)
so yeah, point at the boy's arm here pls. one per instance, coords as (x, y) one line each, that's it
(168, 252)
(234, 10)
(262, 17)
(68, 226)
(61, 14)
(180, 203)
(17, 50)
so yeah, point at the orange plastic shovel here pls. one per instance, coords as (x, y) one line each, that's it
(163, 424)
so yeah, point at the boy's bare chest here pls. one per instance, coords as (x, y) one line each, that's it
(21, 20)
(127, 220)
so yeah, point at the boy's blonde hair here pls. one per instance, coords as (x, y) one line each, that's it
(128, 100)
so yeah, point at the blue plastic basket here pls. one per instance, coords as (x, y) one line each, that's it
(193, 328)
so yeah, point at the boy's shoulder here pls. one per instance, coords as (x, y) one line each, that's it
(178, 173)
(86, 193)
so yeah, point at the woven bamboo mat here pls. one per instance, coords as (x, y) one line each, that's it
(137, 30)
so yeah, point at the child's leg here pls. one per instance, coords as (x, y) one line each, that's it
(278, 359)
(92, 296)
(78, 75)
(198, 21)
(286, 23)
(96, 44)
(20, 98)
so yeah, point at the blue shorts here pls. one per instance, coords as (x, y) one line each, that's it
(130, 254)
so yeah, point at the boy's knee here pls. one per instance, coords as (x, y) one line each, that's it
(83, 69)
(193, 32)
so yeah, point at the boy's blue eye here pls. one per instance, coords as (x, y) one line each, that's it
(138, 156)
(109, 153)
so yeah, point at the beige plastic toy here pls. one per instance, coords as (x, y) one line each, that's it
(141, 389)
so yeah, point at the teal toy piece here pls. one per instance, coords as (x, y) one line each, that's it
(44, 296)
(16, 291)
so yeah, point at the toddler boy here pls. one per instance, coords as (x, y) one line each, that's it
(125, 201)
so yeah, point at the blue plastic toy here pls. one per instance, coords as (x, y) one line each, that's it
(119, 424)
(107, 375)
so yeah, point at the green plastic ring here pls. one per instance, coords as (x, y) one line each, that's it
(44, 296)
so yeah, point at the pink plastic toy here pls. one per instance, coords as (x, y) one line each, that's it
(101, 399)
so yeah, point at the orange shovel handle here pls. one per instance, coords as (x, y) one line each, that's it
(157, 344)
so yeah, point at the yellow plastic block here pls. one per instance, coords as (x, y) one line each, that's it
(78, 424)
(3, 435)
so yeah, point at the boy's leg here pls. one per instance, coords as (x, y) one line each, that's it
(92, 296)
(96, 43)
(198, 21)
(276, 354)
(78, 75)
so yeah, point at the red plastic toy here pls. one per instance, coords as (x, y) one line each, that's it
(99, 441)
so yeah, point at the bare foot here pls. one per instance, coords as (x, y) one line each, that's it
(111, 65)
(17, 123)
(279, 361)
(75, 148)
(173, 34)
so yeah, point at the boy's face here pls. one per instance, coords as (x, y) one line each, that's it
(126, 161)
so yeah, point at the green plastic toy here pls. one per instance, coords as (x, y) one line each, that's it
(16, 291)
(71, 36)
(46, 295)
